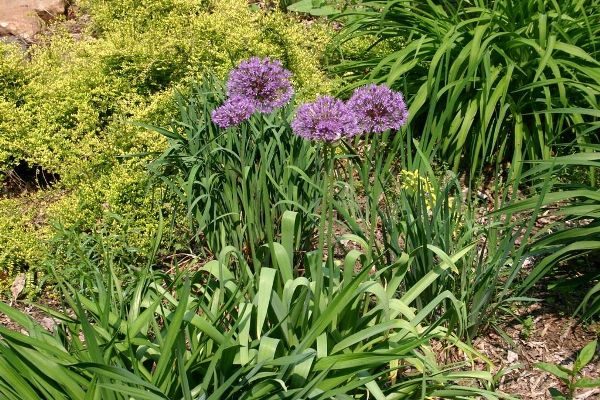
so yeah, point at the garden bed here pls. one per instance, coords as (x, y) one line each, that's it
(250, 200)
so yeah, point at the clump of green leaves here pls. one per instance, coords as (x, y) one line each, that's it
(577, 229)
(399, 204)
(237, 182)
(571, 377)
(486, 80)
(232, 330)
(528, 326)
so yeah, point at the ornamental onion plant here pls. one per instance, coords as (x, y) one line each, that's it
(229, 330)
(235, 163)
(326, 120)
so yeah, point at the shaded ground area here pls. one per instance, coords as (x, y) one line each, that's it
(545, 331)
(24, 178)
(32, 311)
(552, 338)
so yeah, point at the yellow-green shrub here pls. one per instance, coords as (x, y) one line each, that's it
(67, 105)
(23, 225)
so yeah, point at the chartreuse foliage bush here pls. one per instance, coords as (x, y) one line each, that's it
(65, 106)
(487, 80)
(239, 330)
(13, 78)
(19, 234)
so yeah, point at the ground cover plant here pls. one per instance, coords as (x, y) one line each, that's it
(67, 103)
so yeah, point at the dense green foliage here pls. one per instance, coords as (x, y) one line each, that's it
(393, 203)
(577, 230)
(237, 183)
(201, 262)
(233, 330)
(487, 80)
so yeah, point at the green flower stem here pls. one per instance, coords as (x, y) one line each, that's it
(326, 222)
(329, 206)
(372, 192)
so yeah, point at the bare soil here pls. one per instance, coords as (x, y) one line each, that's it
(33, 312)
(553, 338)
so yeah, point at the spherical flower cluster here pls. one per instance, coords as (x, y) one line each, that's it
(263, 85)
(234, 111)
(255, 85)
(326, 119)
(263, 81)
(371, 109)
(378, 108)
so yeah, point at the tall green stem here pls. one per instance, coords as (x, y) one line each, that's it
(329, 200)
(326, 222)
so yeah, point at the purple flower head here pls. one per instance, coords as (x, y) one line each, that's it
(234, 111)
(326, 119)
(263, 81)
(378, 108)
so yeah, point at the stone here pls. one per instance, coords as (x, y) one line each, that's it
(512, 357)
(17, 286)
(25, 18)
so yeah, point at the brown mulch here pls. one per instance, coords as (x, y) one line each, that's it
(553, 338)
(32, 311)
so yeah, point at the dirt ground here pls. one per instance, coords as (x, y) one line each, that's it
(550, 336)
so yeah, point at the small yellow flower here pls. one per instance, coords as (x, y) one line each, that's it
(413, 183)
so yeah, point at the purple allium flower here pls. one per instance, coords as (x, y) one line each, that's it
(326, 119)
(378, 108)
(234, 111)
(263, 81)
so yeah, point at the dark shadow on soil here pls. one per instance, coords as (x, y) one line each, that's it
(25, 178)
(546, 331)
